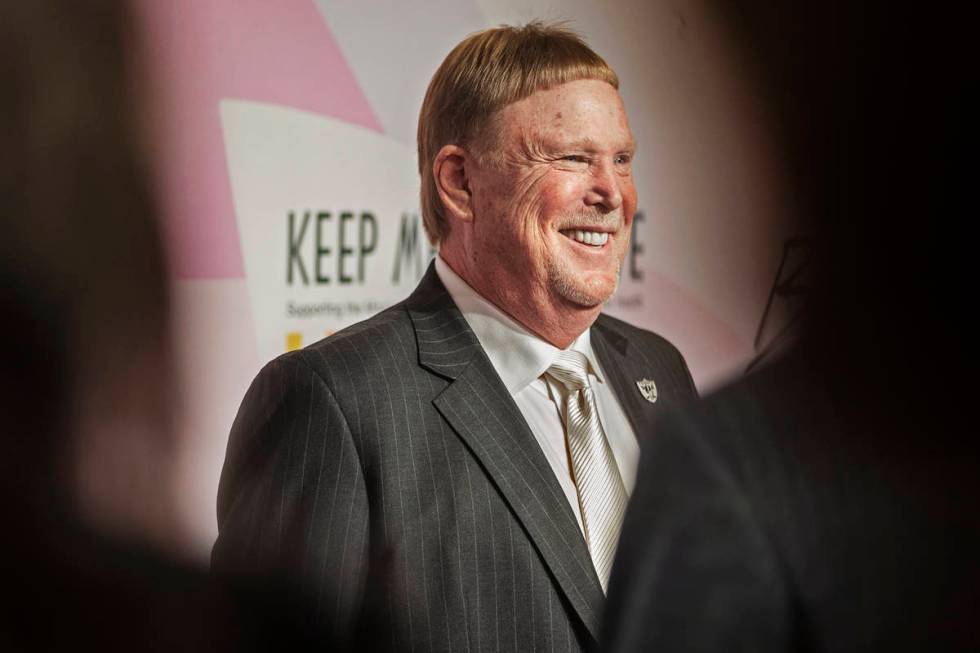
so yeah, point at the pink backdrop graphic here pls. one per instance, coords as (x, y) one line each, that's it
(206, 51)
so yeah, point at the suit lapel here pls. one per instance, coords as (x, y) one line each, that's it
(480, 410)
(623, 369)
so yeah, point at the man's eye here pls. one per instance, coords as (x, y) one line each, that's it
(576, 158)
(623, 159)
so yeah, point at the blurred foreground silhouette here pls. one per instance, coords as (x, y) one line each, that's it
(825, 503)
(85, 371)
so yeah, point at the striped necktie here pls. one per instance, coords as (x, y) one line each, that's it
(601, 494)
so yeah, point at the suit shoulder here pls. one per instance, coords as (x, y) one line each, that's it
(393, 322)
(636, 335)
(656, 351)
(356, 352)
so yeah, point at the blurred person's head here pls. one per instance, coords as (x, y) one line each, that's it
(525, 158)
(870, 103)
(84, 387)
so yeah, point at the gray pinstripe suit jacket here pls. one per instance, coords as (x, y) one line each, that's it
(387, 472)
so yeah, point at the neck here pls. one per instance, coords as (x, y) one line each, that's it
(554, 319)
(559, 326)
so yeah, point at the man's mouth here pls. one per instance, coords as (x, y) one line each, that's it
(593, 238)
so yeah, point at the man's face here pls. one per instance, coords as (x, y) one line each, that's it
(553, 201)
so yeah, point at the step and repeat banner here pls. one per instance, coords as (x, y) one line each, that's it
(290, 191)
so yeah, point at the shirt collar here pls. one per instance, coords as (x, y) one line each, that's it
(518, 355)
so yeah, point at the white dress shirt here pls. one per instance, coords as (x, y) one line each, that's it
(521, 359)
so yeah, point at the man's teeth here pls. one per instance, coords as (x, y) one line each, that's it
(597, 238)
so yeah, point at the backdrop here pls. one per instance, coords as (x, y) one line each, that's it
(291, 194)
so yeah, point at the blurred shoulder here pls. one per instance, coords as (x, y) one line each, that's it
(759, 428)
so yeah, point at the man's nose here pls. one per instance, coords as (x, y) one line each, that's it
(605, 190)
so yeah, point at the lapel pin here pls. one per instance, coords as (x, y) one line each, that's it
(648, 389)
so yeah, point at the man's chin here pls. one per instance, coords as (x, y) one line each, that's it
(586, 294)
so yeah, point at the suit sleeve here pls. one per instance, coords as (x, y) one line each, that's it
(292, 503)
(694, 571)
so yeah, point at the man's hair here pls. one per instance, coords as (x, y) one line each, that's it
(487, 71)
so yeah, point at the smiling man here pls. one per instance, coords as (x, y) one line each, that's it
(538, 221)
(451, 474)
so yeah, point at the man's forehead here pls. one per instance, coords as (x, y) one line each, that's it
(587, 117)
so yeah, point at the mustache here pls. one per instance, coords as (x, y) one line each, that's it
(612, 219)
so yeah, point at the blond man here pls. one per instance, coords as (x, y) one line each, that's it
(451, 473)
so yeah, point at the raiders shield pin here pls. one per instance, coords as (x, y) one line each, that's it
(648, 389)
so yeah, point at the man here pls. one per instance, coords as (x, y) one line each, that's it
(412, 471)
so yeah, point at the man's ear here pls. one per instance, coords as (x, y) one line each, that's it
(451, 170)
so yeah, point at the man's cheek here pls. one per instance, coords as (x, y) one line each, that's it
(623, 245)
(629, 197)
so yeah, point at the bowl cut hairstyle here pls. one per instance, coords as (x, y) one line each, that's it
(486, 72)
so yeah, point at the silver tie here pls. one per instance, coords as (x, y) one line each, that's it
(601, 493)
